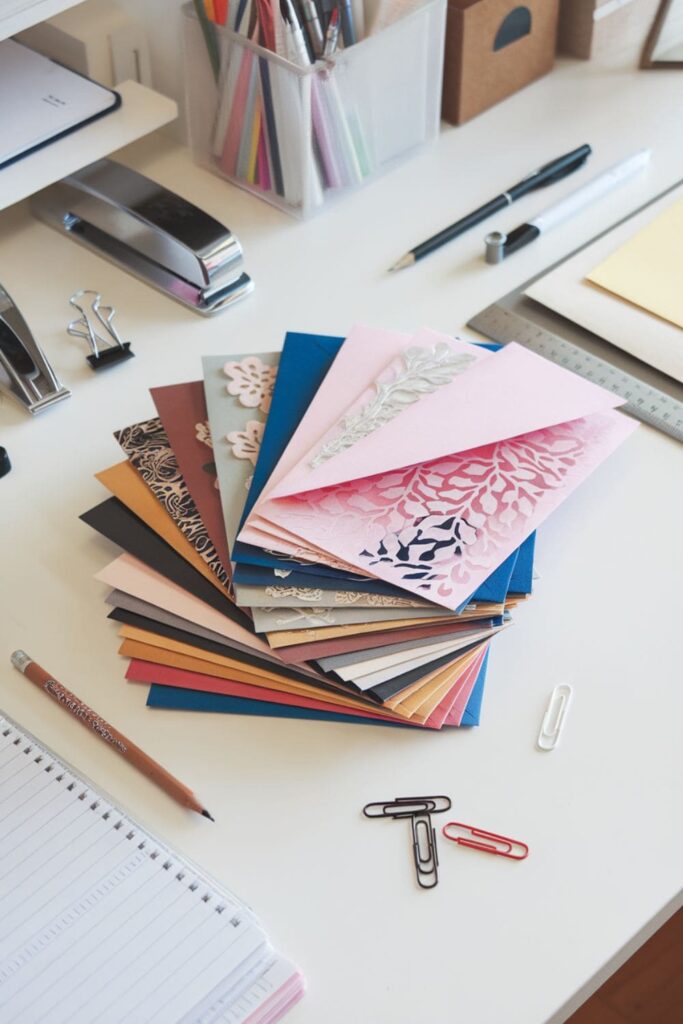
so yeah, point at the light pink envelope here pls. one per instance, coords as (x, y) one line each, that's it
(260, 530)
(493, 398)
(440, 492)
(439, 529)
(462, 696)
(363, 356)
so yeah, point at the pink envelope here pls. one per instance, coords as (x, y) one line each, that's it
(364, 355)
(493, 398)
(451, 710)
(438, 494)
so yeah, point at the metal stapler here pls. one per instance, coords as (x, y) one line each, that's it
(150, 232)
(25, 373)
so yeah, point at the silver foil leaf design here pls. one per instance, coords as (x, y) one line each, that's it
(424, 370)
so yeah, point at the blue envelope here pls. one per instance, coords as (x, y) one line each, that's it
(177, 699)
(305, 360)
(494, 588)
(304, 363)
(522, 574)
(472, 712)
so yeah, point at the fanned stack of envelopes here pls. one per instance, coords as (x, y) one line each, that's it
(339, 530)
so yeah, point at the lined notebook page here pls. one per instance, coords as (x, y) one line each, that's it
(100, 923)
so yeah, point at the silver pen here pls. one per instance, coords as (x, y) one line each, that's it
(313, 26)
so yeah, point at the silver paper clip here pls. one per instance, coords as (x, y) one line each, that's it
(25, 372)
(105, 351)
(554, 717)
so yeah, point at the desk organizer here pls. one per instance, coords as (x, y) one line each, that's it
(298, 137)
(494, 48)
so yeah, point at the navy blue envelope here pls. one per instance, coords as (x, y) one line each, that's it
(472, 712)
(495, 588)
(522, 574)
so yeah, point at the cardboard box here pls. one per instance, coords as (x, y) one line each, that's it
(604, 28)
(494, 48)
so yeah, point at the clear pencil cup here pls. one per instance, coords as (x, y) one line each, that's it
(300, 137)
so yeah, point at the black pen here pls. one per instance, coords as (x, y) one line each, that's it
(546, 175)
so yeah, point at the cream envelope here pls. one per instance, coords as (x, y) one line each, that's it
(646, 270)
(566, 291)
(435, 495)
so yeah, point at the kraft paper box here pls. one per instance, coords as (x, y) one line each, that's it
(602, 28)
(494, 48)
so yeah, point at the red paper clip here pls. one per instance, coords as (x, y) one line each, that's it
(512, 848)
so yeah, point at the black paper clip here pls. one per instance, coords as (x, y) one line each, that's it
(419, 809)
(106, 351)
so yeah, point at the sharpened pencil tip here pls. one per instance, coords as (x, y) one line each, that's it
(405, 261)
(205, 814)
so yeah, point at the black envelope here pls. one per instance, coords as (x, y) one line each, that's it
(118, 524)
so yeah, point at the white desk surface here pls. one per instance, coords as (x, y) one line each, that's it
(497, 941)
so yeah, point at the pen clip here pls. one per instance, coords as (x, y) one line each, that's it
(545, 175)
(564, 171)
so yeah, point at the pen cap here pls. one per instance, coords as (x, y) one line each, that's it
(495, 247)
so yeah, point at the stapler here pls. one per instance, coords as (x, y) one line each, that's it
(150, 232)
(25, 372)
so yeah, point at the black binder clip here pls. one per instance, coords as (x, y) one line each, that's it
(419, 809)
(106, 351)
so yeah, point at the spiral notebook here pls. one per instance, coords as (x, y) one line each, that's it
(102, 923)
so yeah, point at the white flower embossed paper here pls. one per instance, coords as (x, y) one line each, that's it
(238, 392)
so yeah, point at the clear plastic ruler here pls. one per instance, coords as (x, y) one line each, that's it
(643, 401)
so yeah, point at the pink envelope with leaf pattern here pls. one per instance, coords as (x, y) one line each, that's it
(444, 464)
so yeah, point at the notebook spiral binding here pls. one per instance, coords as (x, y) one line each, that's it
(134, 830)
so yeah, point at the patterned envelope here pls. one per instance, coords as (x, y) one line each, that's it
(150, 453)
